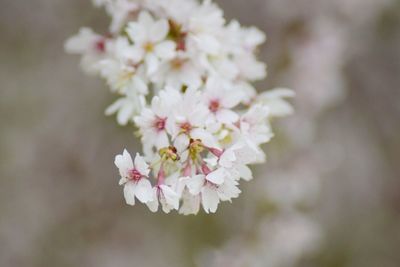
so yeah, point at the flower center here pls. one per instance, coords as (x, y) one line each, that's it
(159, 124)
(214, 105)
(100, 45)
(135, 175)
(148, 47)
(177, 63)
(186, 127)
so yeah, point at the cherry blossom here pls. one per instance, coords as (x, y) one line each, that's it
(183, 78)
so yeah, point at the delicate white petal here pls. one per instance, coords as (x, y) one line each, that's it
(125, 114)
(171, 197)
(152, 63)
(129, 193)
(217, 176)
(124, 163)
(159, 31)
(227, 116)
(244, 172)
(144, 191)
(227, 158)
(165, 50)
(141, 166)
(153, 205)
(136, 32)
(195, 184)
(209, 199)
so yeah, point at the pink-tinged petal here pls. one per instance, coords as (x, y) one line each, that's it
(217, 176)
(153, 205)
(159, 30)
(195, 183)
(144, 191)
(165, 50)
(227, 116)
(129, 193)
(141, 166)
(210, 199)
(124, 163)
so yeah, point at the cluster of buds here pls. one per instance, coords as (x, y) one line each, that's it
(183, 77)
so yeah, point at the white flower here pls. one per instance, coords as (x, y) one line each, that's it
(149, 41)
(134, 178)
(178, 72)
(220, 101)
(188, 121)
(92, 47)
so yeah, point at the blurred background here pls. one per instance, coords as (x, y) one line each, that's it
(329, 194)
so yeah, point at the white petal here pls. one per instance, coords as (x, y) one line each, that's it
(114, 107)
(227, 116)
(122, 181)
(171, 197)
(210, 199)
(159, 31)
(129, 193)
(181, 142)
(144, 191)
(125, 114)
(145, 19)
(136, 32)
(245, 172)
(124, 163)
(227, 158)
(217, 176)
(153, 205)
(152, 63)
(140, 86)
(165, 50)
(195, 184)
(190, 204)
(141, 165)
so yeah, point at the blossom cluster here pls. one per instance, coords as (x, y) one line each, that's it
(183, 77)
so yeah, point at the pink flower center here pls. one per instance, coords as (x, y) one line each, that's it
(100, 45)
(214, 105)
(159, 124)
(186, 127)
(135, 175)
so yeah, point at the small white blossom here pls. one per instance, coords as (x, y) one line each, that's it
(134, 178)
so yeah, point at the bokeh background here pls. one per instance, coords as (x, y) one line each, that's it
(329, 195)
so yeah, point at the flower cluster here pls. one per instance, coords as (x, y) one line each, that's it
(183, 77)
